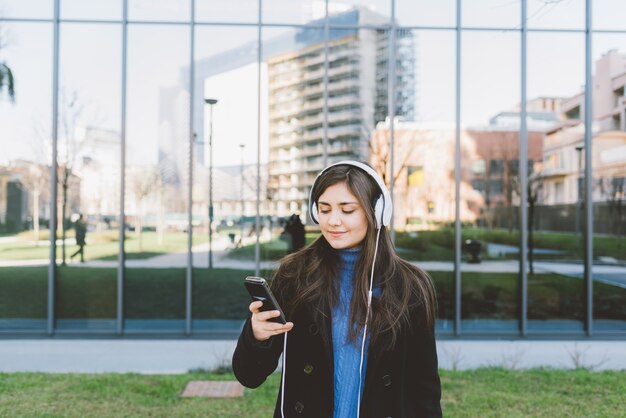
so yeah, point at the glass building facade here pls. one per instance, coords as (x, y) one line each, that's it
(187, 132)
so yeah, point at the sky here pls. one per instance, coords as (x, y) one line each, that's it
(90, 64)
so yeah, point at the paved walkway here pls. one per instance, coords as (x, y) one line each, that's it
(180, 356)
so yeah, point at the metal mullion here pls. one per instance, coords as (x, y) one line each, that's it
(53, 169)
(391, 102)
(189, 269)
(325, 95)
(523, 174)
(588, 231)
(457, 179)
(27, 20)
(121, 256)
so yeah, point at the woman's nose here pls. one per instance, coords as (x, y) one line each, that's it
(334, 218)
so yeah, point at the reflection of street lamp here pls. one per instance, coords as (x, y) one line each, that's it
(579, 150)
(242, 146)
(210, 102)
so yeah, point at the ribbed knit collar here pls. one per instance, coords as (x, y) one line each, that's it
(349, 258)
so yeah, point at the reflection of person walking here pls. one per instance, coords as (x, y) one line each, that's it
(80, 227)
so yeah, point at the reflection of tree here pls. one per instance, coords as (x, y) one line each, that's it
(35, 179)
(534, 190)
(613, 190)
(70, 147)
(7, 80)
(145, 182)
(380, 155)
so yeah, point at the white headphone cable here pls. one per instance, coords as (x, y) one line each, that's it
(282, 383)
(369, 304)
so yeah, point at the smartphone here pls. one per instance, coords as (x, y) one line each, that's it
(260, 290)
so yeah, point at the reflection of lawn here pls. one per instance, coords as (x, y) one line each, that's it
(160, 293)
(149, 293)
(439, 244)
(270, 250)
(104, 246)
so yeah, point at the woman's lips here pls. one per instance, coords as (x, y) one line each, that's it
(336, 234)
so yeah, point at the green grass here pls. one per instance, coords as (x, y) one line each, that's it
(489, 392)
(149, 293)
(271, 250)
(439, 244)
(103, 246)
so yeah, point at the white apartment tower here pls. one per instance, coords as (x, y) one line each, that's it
(356, 94)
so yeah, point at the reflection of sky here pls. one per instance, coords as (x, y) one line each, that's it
(91, 65)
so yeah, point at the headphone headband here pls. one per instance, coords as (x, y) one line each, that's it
(383, 207)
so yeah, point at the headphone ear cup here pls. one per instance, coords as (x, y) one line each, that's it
(314, 213)
(378, 211)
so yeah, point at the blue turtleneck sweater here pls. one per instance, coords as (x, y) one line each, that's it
(347, 355)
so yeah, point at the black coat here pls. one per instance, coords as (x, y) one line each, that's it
(401, 383)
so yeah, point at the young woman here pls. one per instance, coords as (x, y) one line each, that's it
(336, 363)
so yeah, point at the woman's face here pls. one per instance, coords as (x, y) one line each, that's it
(342, 218)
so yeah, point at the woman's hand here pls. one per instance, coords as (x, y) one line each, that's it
(262, 327)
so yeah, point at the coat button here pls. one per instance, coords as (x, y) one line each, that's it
(299, 407)
(308, 369)
(313, 330)
(387, 380)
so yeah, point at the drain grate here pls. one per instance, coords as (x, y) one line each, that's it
(213, 389)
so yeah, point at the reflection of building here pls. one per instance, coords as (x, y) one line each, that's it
(357, 79)
(564, 151)
(424, 190)
(495, 169)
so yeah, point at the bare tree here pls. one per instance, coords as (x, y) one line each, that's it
(70, 149)
(35, 179)
(534, 189)
(613, 190)
(380, 153)
(145, 182)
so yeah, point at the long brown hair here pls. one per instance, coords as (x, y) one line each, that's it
(310, 276)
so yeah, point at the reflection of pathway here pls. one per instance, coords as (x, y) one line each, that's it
(609, 274)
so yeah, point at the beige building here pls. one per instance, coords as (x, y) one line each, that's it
(564, 150)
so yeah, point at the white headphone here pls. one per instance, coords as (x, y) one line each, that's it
(383, 207)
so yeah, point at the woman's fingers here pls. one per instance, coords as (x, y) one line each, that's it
(267, 315)
(255, 306)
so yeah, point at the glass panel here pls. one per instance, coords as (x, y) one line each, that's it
(424, 159)
(557, 14)
(244, 11)
(373, 11)
(160, 10)
(293, 11)
(227, 77)
(27, 9)
(491, 13)
(426, 13)
(92, 9)
(89, 176)
(608, 14)
(490, 181)
(25, 206)
(293, 127)
(156, 177)
(555, 102)
(609, 183)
